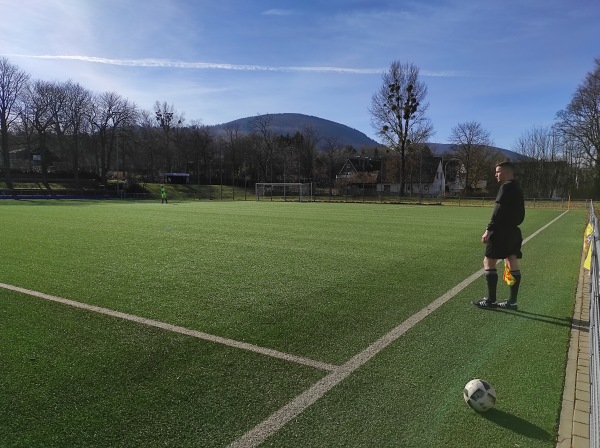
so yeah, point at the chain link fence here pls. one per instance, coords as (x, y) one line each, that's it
(594, 333)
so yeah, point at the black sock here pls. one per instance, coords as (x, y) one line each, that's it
(491, 277)
(514, 288)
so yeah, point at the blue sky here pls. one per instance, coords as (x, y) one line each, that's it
(509, 64)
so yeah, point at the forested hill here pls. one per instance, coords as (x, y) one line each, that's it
(443, 149)
(289, 123)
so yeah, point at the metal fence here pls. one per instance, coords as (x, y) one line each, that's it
(594, 334)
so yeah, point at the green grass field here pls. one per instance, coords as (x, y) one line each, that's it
(320, 281)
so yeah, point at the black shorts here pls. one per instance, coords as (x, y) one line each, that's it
(504, 243)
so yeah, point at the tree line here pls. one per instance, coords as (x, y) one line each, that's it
(558, 160)
(50, 126)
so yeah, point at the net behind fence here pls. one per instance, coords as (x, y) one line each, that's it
(284, 191)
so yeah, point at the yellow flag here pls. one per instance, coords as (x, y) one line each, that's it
(508, 277)
(587, 245)
(588, 231)
(587, 263)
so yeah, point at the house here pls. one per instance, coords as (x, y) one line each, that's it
(23, 160)
(359, 165)
(425, 177)
(360, 173)
(19, 159)
(454, 175)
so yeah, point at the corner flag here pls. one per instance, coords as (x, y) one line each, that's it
(508, 277)
(587, 245)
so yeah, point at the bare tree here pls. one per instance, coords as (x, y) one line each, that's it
(331, 155)
(40, 100)
(12, 83)
(168, 119)
(264, 144)
(582, 170)
(544, 170)
(23, 128)
(112, 115)
(472, 146)
(148, 140)
(199, 138)
(55, 116)
(77, 111)
(233, 136)
(580, 121)
(537, 143)
(398, 111)
(57, 96)
(308, 153)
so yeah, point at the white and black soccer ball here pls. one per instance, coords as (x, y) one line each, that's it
(480, 395)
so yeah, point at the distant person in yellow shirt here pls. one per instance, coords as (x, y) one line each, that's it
(163, 195)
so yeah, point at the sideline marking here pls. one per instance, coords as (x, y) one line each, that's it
(176, 329)
(545, 227)
(296, 406)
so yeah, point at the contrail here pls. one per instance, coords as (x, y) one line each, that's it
(168, 63)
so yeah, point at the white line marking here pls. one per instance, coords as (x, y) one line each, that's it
(294, 408)
(544, 227)
(176, 329)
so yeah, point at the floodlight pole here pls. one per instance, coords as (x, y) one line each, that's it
(115, 126)
(117, 141)
(445, 168)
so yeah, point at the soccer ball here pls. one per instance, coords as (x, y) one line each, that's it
(480, 395)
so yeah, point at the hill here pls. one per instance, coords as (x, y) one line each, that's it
(441, 149)
(290, 123)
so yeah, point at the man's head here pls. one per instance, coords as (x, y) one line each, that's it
(505, 171)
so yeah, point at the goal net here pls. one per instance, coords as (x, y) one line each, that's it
(284, 191)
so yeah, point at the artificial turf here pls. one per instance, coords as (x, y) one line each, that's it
(411, 394)
(71, 378)
(317, 280)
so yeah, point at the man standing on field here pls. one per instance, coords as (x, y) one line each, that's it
(502, 237)
(163, 195)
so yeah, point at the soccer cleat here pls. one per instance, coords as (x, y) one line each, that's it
(508, 305)
(484, 303)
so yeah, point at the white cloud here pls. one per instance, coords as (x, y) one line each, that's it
(167, 63)
(278, 12)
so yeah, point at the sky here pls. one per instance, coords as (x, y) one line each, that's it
(509, 65)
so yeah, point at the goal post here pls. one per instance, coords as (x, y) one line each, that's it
(284, 191)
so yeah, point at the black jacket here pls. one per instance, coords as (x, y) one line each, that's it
(509, 210)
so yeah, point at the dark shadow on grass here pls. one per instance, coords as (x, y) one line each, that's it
(561, 321)
(57, 201)
(517, 424)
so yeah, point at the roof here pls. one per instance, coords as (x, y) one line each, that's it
(367, 170)
(425, 169)
(355, 165)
